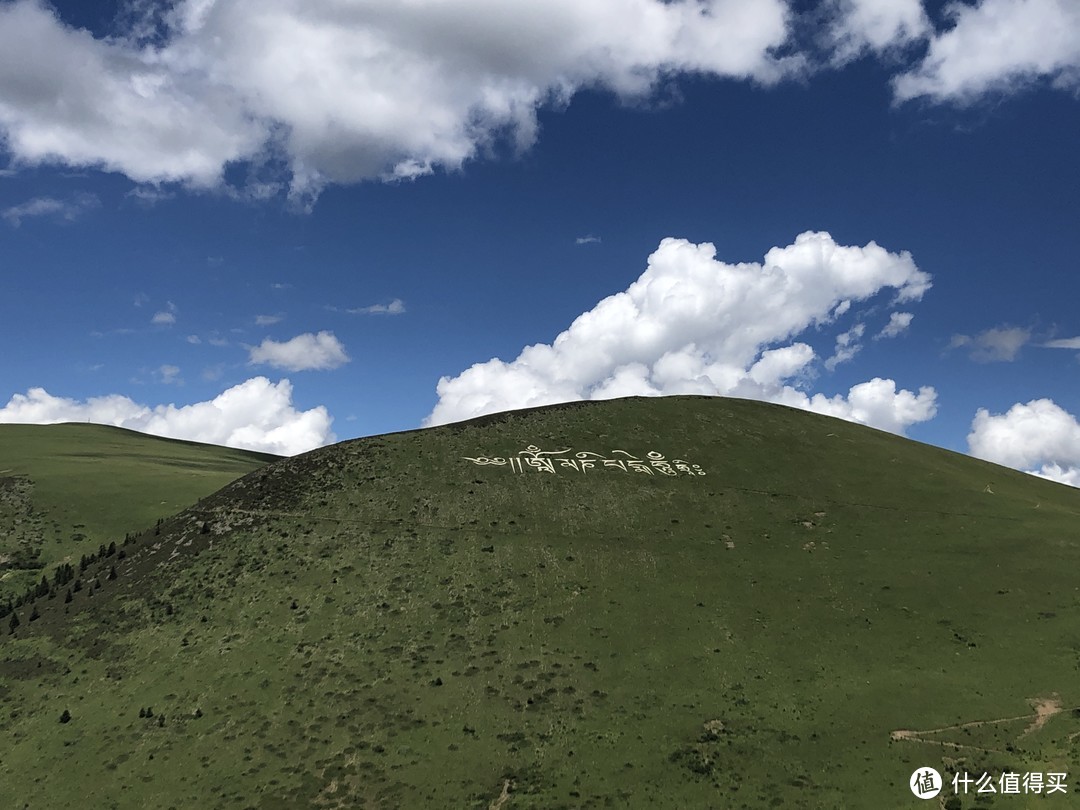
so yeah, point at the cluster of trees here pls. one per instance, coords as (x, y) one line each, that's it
(63, 574)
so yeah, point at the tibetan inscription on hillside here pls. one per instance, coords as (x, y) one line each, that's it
(551, 461)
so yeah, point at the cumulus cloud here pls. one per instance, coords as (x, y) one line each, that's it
(997, 46)
(343, 92)
(898, 324)
(306, 94)
(67, 210)
(875, 25)
(395, 307)
(70, 98)
(254, 415)
(167, 316)
(692, 324)
(268, 320)
(1039, 437)
(303, 353)
(1000, 344)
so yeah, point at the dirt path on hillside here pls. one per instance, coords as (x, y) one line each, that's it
(503, 797)
(1045, 708)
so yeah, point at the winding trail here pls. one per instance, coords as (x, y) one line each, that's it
(1045, 708)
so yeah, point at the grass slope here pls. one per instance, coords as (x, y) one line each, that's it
(65, 489)
(383, 623)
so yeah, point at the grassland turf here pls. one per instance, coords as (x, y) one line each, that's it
(66, 489)
(383, 623)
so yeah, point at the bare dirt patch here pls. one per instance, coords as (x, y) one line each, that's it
(1045, 708)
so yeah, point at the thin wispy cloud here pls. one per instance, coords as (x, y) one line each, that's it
(1001, 344)
(847, 346)
(1062, 343)
(897, 325)
(149, 195)
(63, 210)
(395, 307)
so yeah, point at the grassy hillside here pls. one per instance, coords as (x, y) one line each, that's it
(65, 489)
(386, 623)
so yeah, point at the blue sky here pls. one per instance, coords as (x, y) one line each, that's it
(202, 200)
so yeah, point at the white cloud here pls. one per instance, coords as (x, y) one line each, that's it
(1000, 344)
(998, 45)
(898, 324)
(194, 340)
(877, 403)
(268, 320)
(587, 240)
(169, 374)
(1038, 437)
(348, 91)
(1062, 343)
(69, 98)
(692, 324)
(847, 346)
(67, 210)
(167, 316)
(303, 353)
(875, 25)
(395, 307)
(254, 415)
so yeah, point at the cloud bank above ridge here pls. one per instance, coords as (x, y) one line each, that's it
(692, 324)
(254, 415)
(328, 92)
(1039, 437)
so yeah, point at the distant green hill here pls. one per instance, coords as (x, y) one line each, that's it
(450, 618)
(65, 489)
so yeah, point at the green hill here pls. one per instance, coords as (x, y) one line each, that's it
(65, 489)
(444, 619)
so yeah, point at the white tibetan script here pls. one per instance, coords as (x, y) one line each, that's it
(550, 461)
